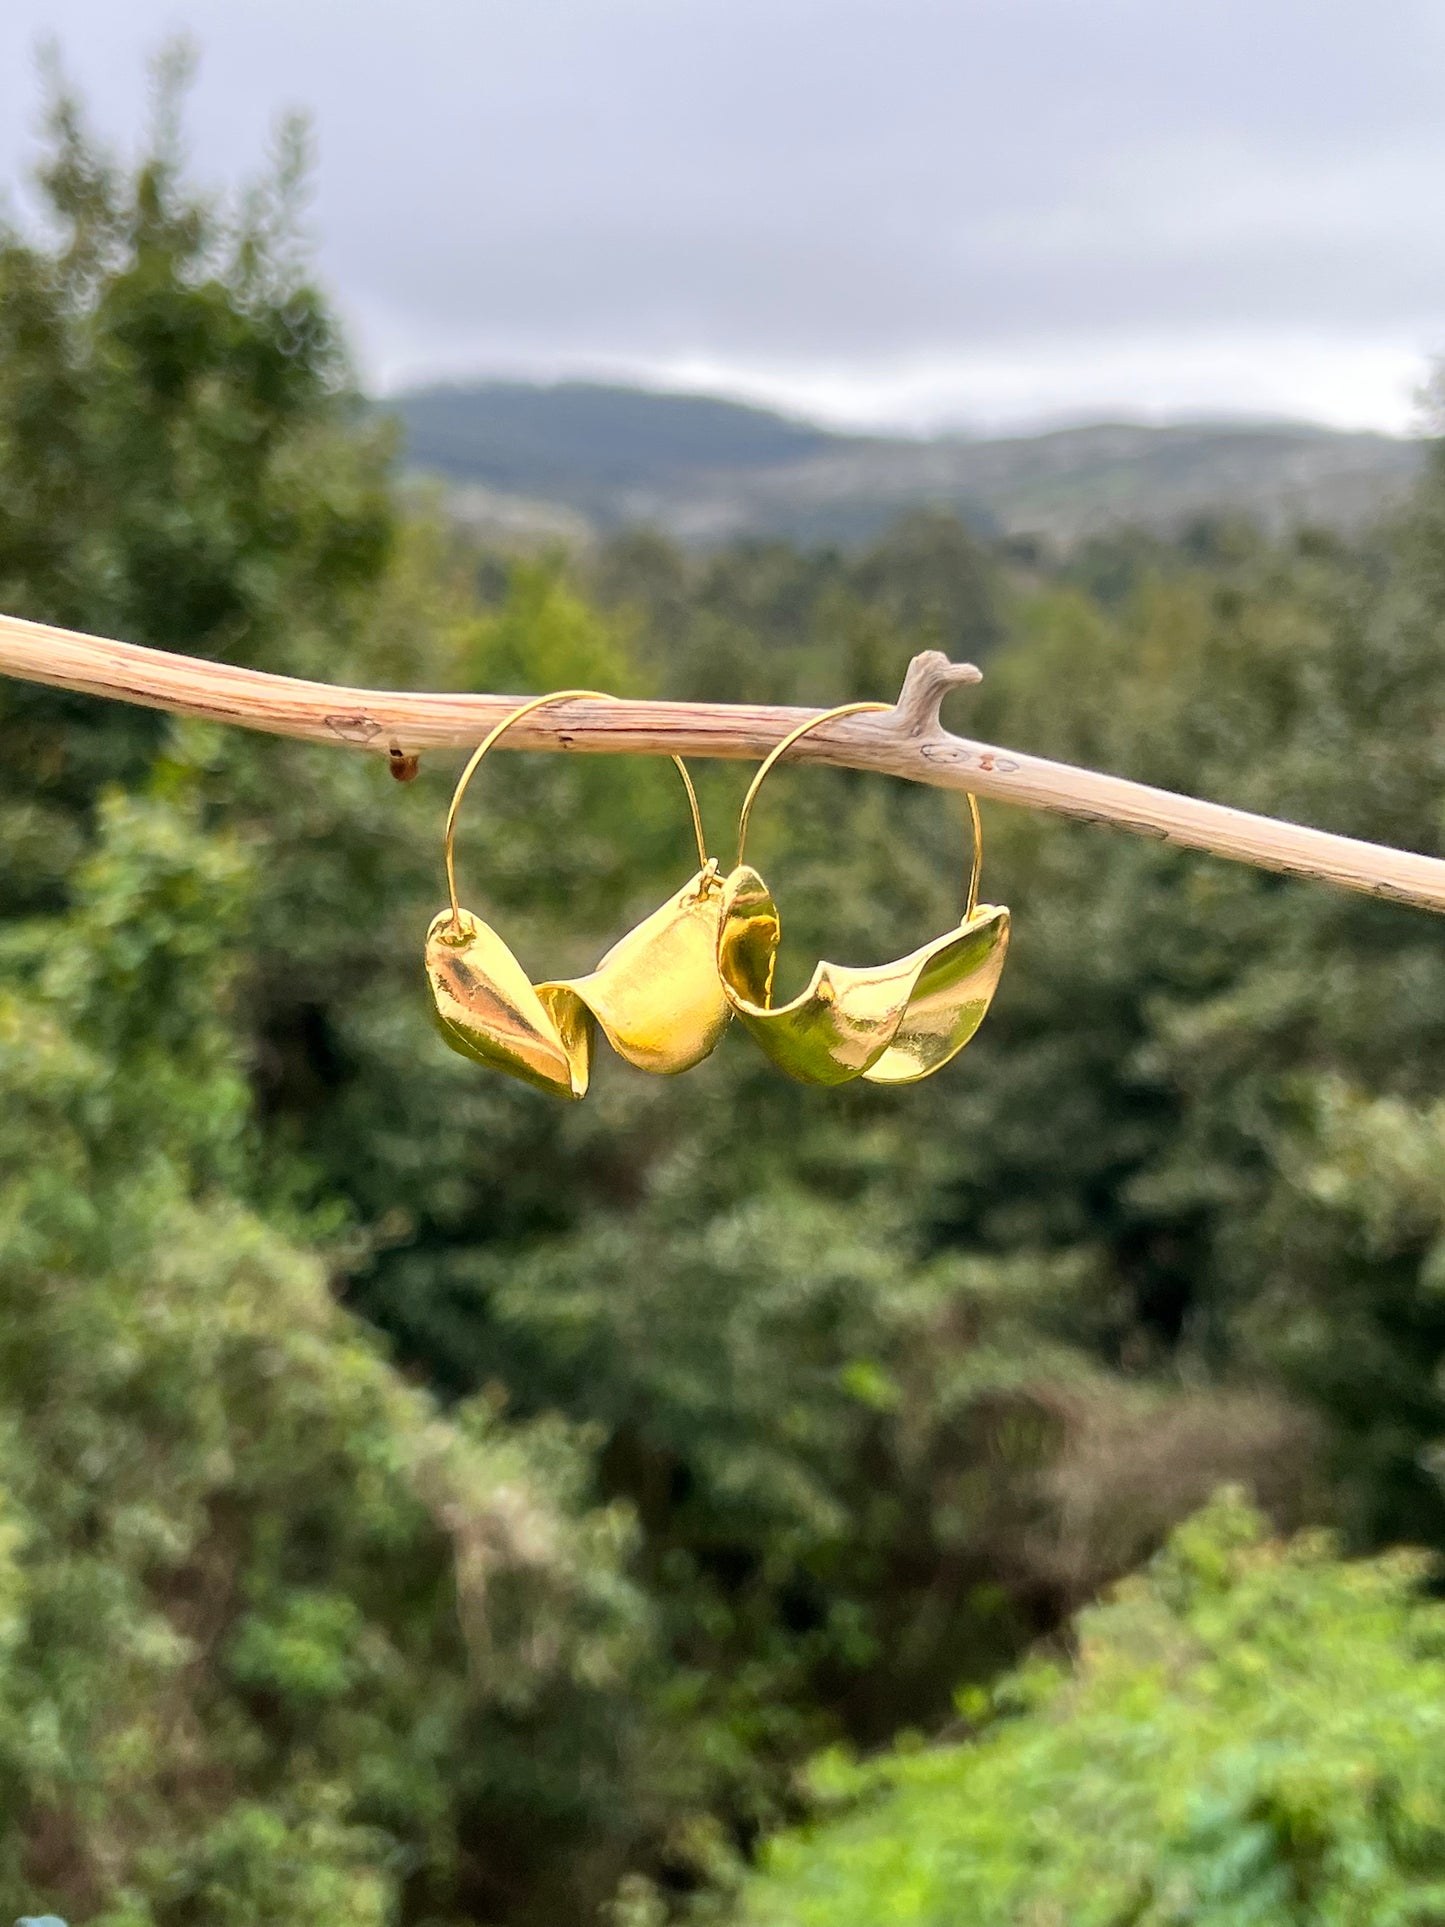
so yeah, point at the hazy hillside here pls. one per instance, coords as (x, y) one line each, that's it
(562, 458)
(584, 437)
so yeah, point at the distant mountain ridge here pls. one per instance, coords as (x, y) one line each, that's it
(582, 435)
(574, 457)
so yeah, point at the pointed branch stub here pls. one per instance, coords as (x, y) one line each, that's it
(928, 680)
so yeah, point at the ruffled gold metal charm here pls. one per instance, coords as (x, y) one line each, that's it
(655, 994)
(893, 1023)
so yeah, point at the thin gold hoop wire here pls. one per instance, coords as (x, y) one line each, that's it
(779, 750)
(526, 709)
(977, 866)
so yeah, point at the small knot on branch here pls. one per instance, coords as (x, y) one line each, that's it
(930, 677)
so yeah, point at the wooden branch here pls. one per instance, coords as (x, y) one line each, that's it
(907, 741)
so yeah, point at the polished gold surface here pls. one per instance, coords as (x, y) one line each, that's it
(891, 1024)
(487, 1009)
(655, 993)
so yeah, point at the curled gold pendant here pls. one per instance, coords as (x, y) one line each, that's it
(892, 1023)
(655, 995)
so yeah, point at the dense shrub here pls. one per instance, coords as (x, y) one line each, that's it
(1249, 1732)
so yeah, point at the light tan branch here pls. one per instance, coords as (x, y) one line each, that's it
(907, 741)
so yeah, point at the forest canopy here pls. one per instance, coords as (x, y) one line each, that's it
(423, 1504)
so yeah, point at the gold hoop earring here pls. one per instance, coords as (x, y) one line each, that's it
(892, 1024)
(655, 993)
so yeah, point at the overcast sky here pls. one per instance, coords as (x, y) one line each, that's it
(972, 212)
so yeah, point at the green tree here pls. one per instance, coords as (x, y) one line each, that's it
(1149, 1083)
(180, 460)
(279, 1643)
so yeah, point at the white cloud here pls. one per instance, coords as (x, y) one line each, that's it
(1342, 383)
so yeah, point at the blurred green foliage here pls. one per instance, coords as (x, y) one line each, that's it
(1249, 1733)
(280, 1644)
(658, 1442)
